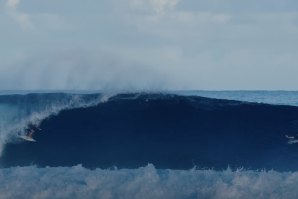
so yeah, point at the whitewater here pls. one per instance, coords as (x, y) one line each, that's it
(138, 171)
(144, 182)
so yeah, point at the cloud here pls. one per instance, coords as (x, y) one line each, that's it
(160, 6)
(157, 6)
(23, 19)
(12, 3)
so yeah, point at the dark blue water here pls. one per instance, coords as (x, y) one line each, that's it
(169, 131)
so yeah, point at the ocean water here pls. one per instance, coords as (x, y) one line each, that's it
(195, 144)
(269, 97)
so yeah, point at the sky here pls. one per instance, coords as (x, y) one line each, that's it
(149, 44)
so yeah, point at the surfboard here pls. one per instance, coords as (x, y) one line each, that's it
(27, 138)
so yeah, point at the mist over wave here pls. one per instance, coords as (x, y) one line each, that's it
(144, 182)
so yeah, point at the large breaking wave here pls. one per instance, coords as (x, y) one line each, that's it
(132, 130)
(91, 149)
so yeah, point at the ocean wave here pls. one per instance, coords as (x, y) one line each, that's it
(130, 130)
(19, 111)
(144, 182)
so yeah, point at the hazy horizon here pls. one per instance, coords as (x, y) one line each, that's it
(148, 45)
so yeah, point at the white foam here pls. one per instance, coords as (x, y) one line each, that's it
(145, 182)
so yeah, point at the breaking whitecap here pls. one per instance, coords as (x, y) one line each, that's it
(145, 182)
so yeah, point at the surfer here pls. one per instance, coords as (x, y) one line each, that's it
(29, 131)
(30, 134)
(32, 127)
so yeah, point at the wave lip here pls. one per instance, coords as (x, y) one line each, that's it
(144, 182)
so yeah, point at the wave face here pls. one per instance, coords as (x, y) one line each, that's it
(132, 130)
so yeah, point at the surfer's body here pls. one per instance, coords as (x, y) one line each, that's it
(29, 133)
